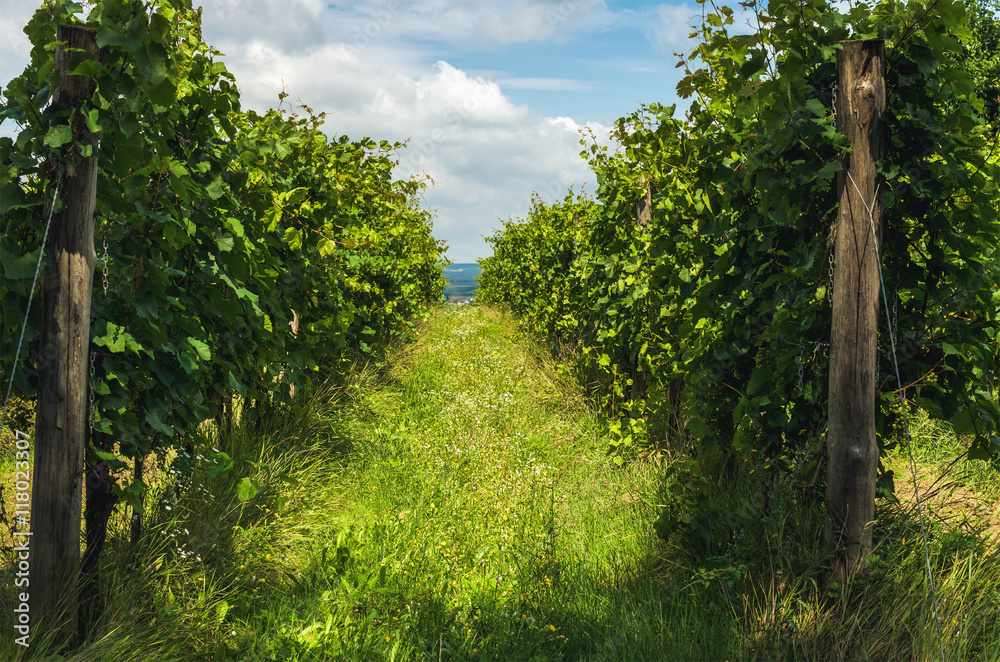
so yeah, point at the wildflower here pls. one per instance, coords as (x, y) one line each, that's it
(552, 627)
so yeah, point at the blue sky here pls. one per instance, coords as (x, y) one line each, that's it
(596, 71)
(492, 95)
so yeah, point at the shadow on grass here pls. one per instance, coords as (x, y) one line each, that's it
(166, 598)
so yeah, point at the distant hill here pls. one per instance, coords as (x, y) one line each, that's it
(462, 280)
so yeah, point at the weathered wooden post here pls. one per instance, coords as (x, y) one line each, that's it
(61, 416)
(294, 326)
(643, 218)
(851, 443)
(644, 206)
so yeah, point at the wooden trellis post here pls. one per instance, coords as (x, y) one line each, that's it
(851, 443)
(643, 219)
(61, 415)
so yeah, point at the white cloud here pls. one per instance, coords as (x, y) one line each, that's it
(367, 66)
(671, 27)
(293, 25)
(15, 49)
(485, 153)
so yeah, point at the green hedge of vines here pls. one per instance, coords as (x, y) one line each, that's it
(711, 326)
(219, 224)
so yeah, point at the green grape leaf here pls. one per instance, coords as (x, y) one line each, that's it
(152, 64)
(57, 136)
(246, 490)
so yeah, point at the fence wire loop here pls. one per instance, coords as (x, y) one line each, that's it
(31, 294)
(902, 402)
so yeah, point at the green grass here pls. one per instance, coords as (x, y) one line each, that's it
(479, 519)
(458, 504)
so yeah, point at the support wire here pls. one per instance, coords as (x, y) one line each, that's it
(31, 294)
(902, 402)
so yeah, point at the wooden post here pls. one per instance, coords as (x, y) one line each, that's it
(644, 207)
(643, 218)
(136, 520)
(61, 416)
(851, 444)
(294, 326)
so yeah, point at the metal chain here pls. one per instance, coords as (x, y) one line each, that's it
(104, 283)
(832, 241)
(93, 413)
(114, 137)
(104, 236)
(832, 238)
(834, 103)
(801, 363)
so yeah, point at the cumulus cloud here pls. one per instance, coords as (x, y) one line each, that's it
(484, 153)
(370, 66)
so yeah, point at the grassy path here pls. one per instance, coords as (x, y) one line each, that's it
(460, 506)
(476, 518)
